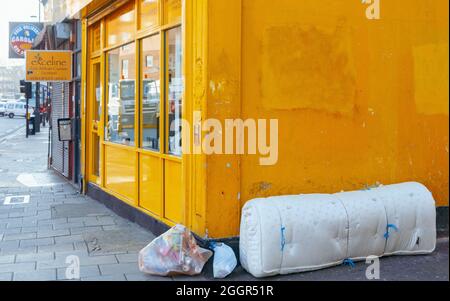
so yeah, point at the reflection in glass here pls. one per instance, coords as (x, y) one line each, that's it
(120, 25)
(77, 65)
(149, 13)
(150, 60)
(121, 95)
(97, 92)
(172, 11)
(95, 37)
(175, 90)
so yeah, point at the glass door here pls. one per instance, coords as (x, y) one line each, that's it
(173, 102)
(95, 121)
(161, 91)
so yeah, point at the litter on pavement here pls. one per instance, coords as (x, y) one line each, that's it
(224, 260)
(173, 253)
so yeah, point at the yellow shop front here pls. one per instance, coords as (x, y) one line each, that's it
(359, 101)
(133, 54)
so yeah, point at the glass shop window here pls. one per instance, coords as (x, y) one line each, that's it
(174, 94)
(77, 65)
(98, 92)
(149, 14)
(150, 82)
(120, 26)
(121, 106)
(78, 35)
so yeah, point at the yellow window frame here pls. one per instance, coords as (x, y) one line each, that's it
(138, 35)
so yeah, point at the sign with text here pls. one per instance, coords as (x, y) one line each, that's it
(48, 66)
(21, 37)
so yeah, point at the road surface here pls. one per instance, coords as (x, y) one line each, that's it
(7, 125)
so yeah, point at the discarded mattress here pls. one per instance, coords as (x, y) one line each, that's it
(299, 233)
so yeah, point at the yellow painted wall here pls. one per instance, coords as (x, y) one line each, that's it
(359, 101)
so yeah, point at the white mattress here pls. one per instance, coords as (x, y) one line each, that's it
(298, 233)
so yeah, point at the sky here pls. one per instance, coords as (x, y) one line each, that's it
(15, 10)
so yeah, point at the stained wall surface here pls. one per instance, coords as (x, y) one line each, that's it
(359, 102)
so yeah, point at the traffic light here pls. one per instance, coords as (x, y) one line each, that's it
(26, 89)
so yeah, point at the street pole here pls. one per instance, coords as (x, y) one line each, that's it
(37, 115)
(27, 119)
(44, 100)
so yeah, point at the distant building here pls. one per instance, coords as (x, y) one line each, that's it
(9, 81)
(63, 32)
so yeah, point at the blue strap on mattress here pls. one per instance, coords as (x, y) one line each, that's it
(283, 238)
(390, 226)
(349, 262)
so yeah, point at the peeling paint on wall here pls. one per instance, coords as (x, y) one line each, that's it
(308, 67)
(260, 188)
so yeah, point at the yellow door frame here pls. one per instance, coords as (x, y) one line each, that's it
(94, 128)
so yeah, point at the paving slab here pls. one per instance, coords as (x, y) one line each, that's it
(116, 241)
(117, 277)
(17, 267)
(6, 276)
(42, 275)
(7, 259)
(85, 272)
(33, 257)
(78, 210)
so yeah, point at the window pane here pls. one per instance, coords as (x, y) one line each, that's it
(98, 92)
(172, 11)
(120, 26)
(175, 90)
(149, 13)
(78, 35)
(77, 65)
(151, 87)
(95, 37)
(121, 95)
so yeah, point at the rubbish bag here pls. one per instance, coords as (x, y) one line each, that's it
(174, 253)
(224, 260)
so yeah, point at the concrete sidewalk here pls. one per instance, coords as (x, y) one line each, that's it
(36, 238)
(10, 126)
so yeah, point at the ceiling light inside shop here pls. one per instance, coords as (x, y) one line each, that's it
(112, 39)
(126, 36)
(128, 17)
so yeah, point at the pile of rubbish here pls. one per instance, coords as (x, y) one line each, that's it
(176, 253)
(349, 226)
